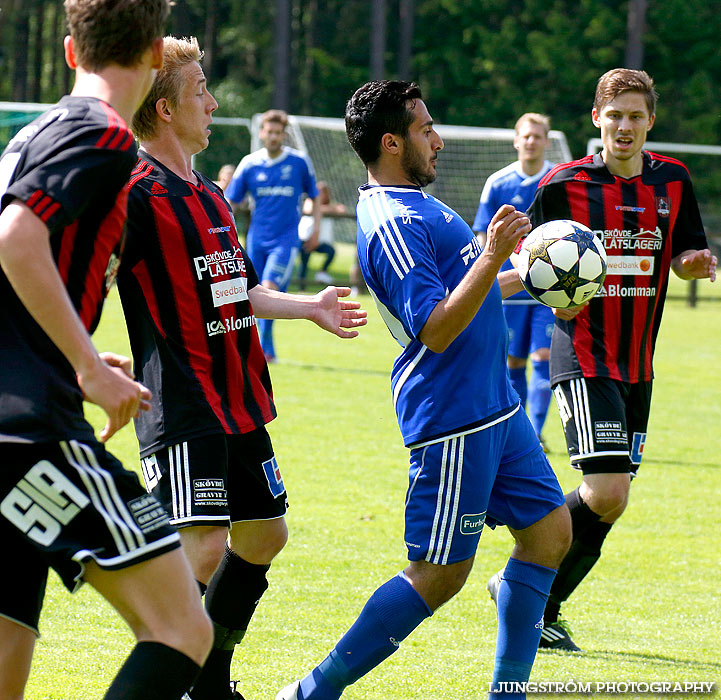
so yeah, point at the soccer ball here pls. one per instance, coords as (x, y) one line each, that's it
(561, 263)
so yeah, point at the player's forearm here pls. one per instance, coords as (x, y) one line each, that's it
(270, 303)
(509, 282)
(452, 314)
(27, 261)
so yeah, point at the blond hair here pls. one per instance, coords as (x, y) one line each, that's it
(168, 83)
(535, 118)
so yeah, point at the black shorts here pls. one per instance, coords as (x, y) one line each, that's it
(605, 423)
(217, 480)
(63, 504)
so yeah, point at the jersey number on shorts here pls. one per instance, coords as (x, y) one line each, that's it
(42, 501)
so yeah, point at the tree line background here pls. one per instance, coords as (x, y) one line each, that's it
(479, 62)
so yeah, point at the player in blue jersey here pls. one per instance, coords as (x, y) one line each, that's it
(530, 323)
(474, 456)
(276, 178)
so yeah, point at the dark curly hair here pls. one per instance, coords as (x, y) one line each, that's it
(379, 107)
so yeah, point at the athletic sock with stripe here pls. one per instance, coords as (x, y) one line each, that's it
(522, 596)
(389, 616)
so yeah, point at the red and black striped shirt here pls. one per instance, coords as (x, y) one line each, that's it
(70, 167)
(643, 222)
(184, 287)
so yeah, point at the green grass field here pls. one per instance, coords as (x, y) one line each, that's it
(650, 610)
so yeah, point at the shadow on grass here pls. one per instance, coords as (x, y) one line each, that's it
(675, 662)
(681, 462)
(327, 368)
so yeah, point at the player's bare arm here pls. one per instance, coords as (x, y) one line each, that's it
(326, 309)
(509, 282)
(695, 264)
(27, 260)
(454, 312)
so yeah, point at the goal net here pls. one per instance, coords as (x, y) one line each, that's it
(469, 156)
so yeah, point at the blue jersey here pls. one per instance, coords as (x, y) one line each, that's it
(276, 186)
(509, 185)
(413, 250)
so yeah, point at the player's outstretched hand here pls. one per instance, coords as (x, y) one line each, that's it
(507, 227)
(110, 385)
(570, 313)
(700, 264)
(335, 315)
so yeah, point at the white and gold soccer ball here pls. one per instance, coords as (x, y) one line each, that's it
(561, 263)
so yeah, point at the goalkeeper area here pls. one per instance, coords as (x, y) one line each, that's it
(469, 156)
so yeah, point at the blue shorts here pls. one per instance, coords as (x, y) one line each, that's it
(274, 260)
(530, 327)
(496, 475)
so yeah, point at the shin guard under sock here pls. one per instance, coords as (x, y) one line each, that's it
(582, 556)
(231, 599)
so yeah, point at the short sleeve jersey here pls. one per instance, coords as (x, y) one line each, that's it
(413, 250)
(69, 166)
(509, 185)
(276, 187)
(184, 288)
(643, 223)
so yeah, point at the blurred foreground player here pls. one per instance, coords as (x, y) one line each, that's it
(64, 501)
(643, 207)
(474, 456)
(191, 297)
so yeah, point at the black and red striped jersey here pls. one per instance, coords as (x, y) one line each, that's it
(184, 288)
(70, 167)
(643, 222)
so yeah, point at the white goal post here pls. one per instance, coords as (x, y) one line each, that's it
(469, 156)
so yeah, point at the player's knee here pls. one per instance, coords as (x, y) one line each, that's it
(205, 559)
(607, 496)
(265, 545)
(273, 543)
(192, 634)
(196, 637)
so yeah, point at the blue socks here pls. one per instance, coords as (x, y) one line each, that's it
(539, 395)
(265, 330)
(522, 598)
(518, 380)
(389, 616)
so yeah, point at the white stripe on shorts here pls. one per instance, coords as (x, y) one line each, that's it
(180, 483)
(105, 497)
(582, 417)
(449, 493)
